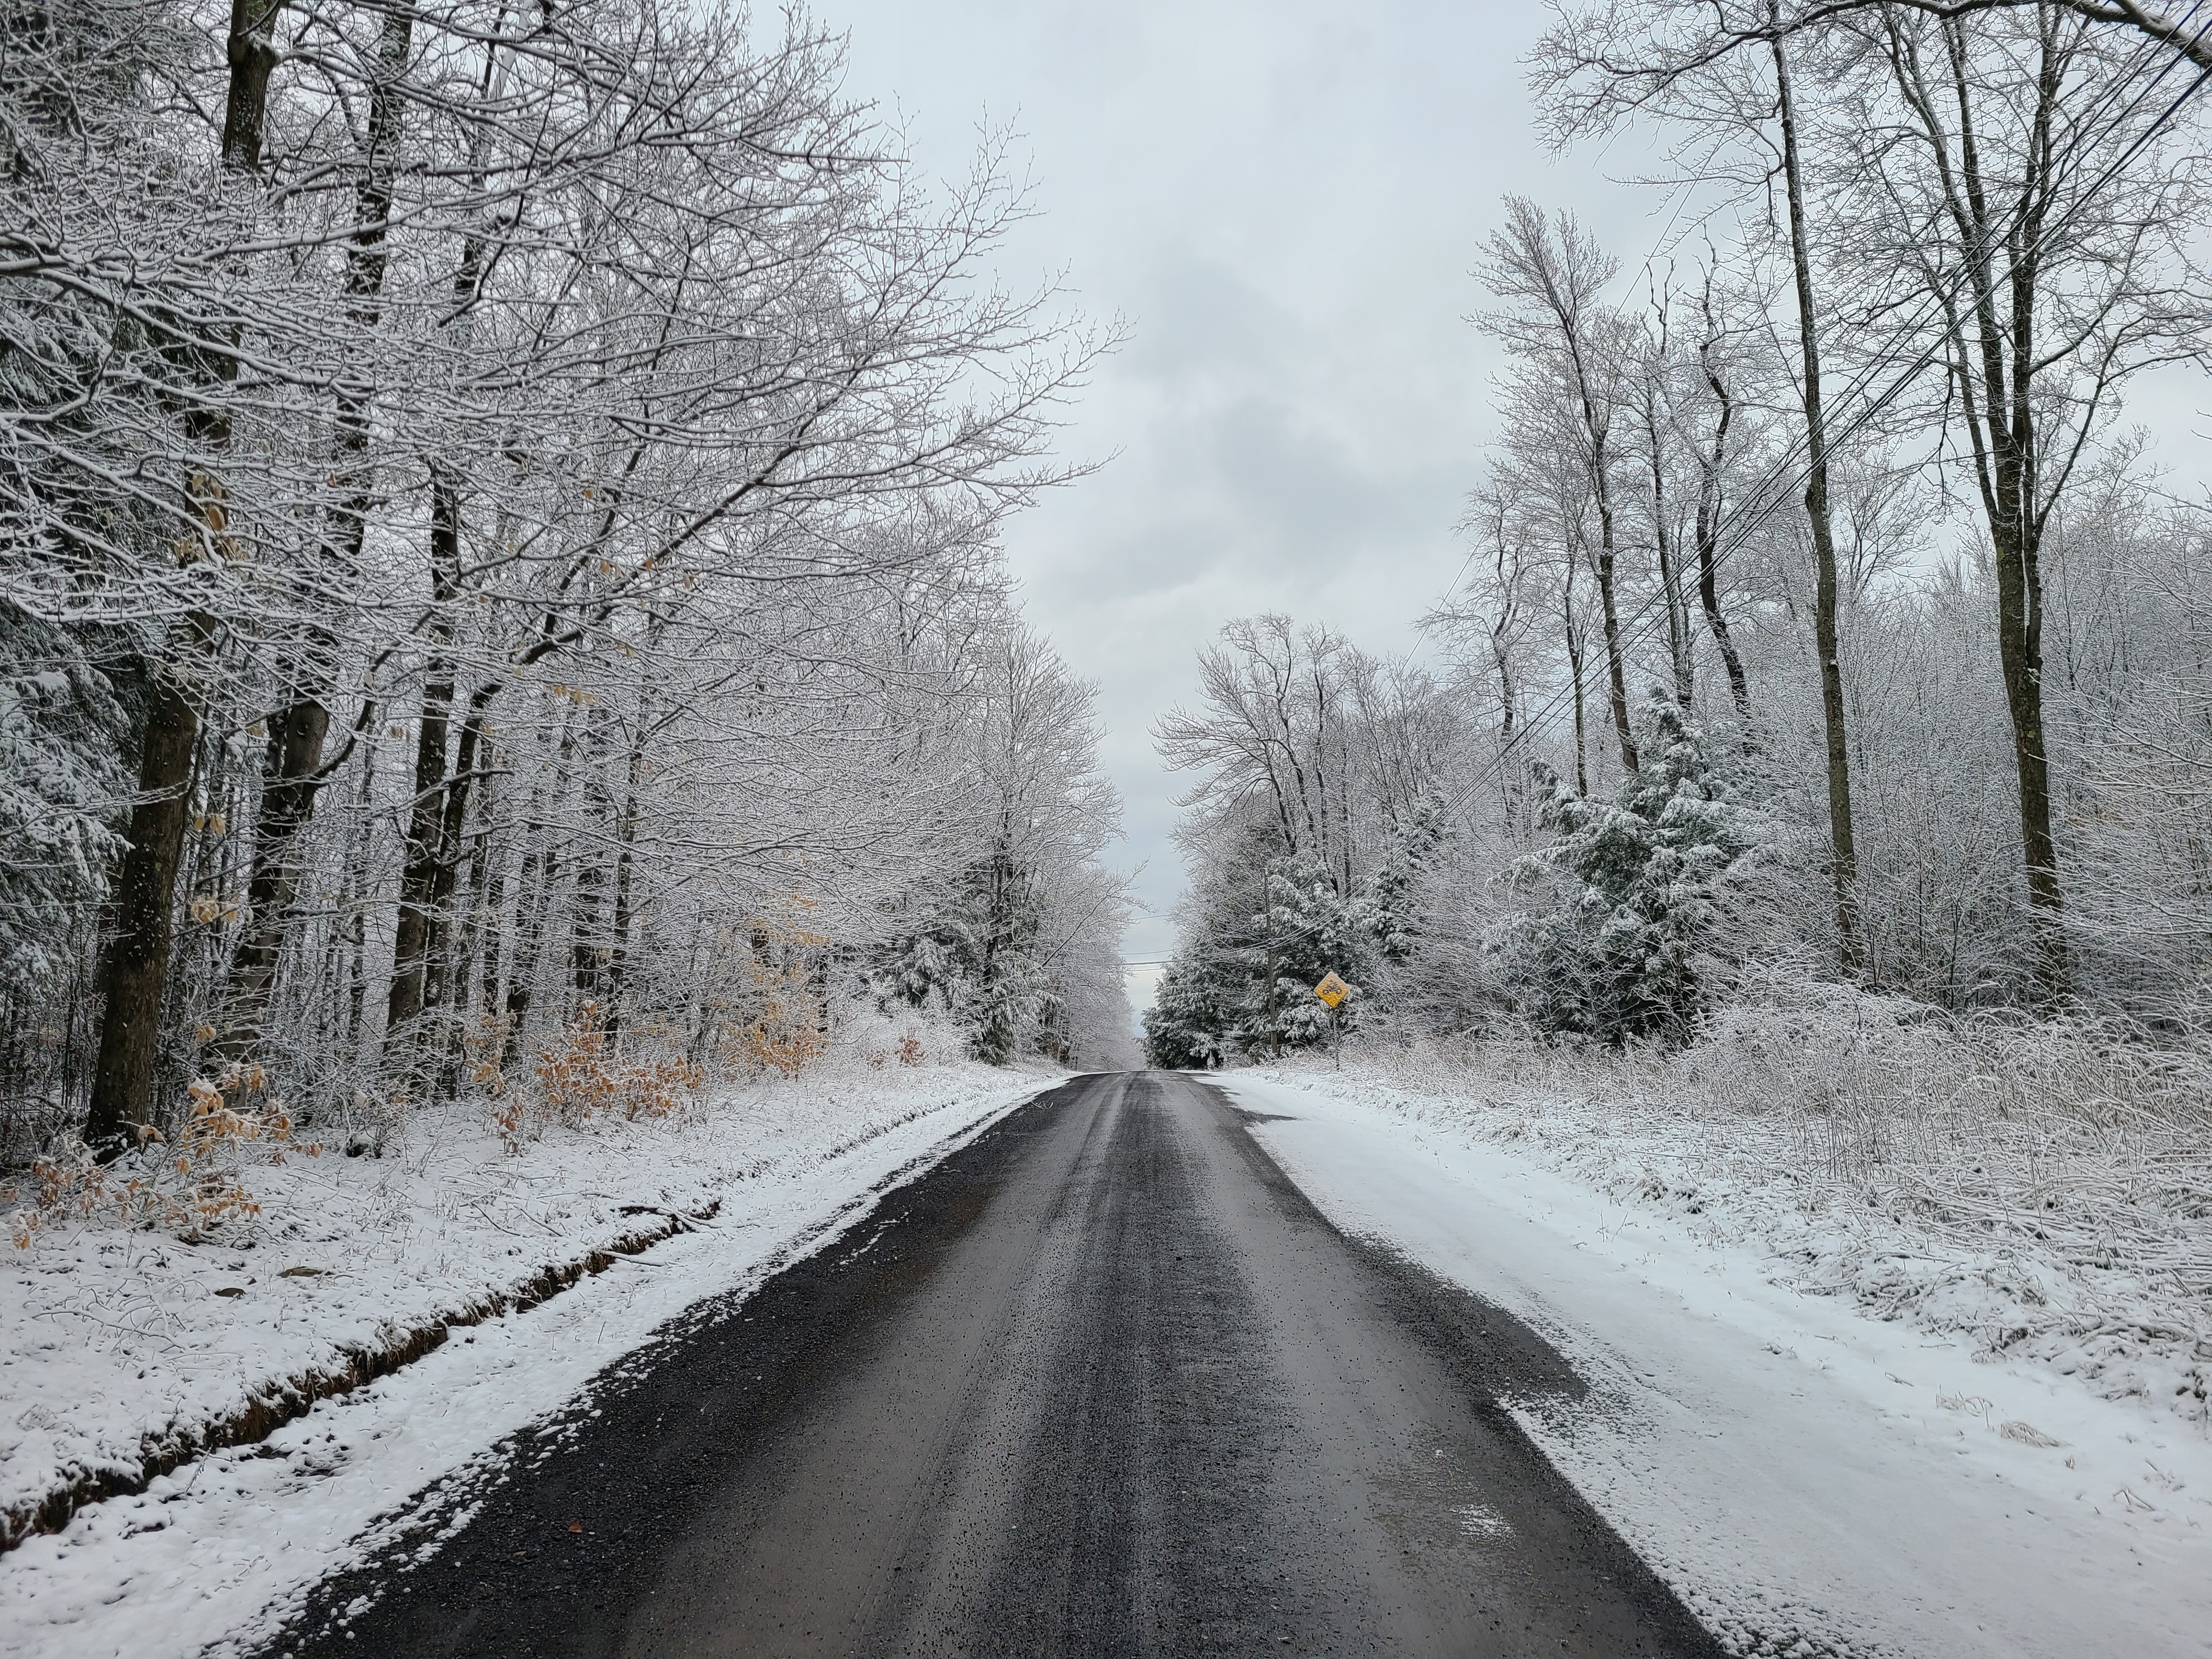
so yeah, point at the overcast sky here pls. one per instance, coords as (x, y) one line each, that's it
(1283, 200)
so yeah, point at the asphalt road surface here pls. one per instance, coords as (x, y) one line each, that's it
(1103, 1383)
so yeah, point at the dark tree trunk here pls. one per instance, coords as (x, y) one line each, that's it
(289, 785)
(453, 940)
(588, 940)
(533, 904)
(2007, 454)
(2020, 651)
(1609, 611)
(1709, 527)
(251, 50)
(134, 964)
(494, 912)
(1582, 715)
(439, 985)
(533, 899)
(1670, 581)
(619, 955)
(427, 813)
(404, 1003)
(294, 773)
(626, 830)
(1849, 946)
(1658, 370)
(356, 920)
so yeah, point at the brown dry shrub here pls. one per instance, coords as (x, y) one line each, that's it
(579, 1078)
(772, 1018)
(190, 1189)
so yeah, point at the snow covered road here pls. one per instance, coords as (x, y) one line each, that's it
(1102, 1382)
(1157, 1364)
(1793, 1469)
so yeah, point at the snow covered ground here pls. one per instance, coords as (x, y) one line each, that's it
(1834, 1473)
(1811, 1478)
(109, 1338)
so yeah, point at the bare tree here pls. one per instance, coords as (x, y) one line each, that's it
(2054, 276)
(1551, 277)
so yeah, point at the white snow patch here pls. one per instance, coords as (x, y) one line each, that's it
(1809, 1479)
(106, 1334)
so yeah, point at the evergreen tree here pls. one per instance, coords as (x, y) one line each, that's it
(1256, 941)
(1310, 931)
(1641, 886)
(1192, 1013)
(1393, 910)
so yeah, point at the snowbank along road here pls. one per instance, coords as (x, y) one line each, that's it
(1103, 1382)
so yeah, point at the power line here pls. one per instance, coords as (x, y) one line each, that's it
(1764, 500)
(1760, 504)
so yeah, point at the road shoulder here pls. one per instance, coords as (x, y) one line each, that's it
(209, 1552)
(1795, 1471)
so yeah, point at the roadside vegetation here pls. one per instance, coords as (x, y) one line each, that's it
(2034, 1189)
(501, 611)
(1805, 778)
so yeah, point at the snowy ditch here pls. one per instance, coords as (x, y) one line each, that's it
(209, 1429)
(273, 1405)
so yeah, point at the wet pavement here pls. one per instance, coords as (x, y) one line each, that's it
(1102, 1382)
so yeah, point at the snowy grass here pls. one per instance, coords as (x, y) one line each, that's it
(124, 1346)
(1811, 1481)
(2045, 1189)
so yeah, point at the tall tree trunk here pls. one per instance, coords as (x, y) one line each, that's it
(479, 932)
(134, 963)
(1670, 580)
(2007, 455)
(1274, 1024)
(1510, 773)
(411, 940)
(1850, 947)
(451, 982)
(288, 800)
(357, 922)
(443, 976)
(2019, 653)
(1575, 674)
(1708, 530)
(1609, 612)
(293, 773)
(534, 902)
(625, 875)
(251, 51)
(427, 813)
(626, 828)
(494, 912)
(441, 985)
(533, 898)
(587, 944)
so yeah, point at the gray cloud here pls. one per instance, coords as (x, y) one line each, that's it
(1284, 199)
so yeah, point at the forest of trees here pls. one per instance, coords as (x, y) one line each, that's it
(1823, 610)
(499, 512)
(499, 546)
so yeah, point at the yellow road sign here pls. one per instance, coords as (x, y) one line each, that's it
(1332, 990)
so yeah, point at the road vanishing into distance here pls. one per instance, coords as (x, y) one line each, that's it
(1102, 1383)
